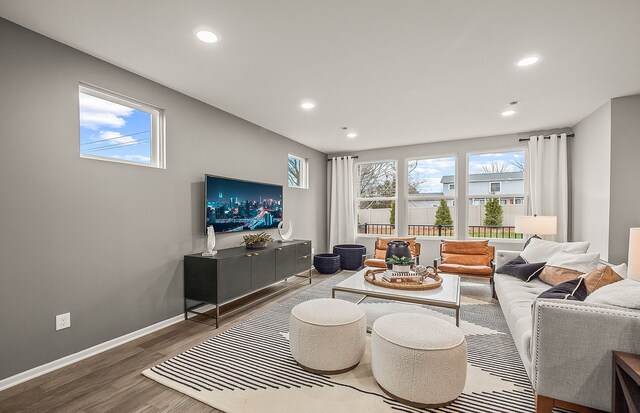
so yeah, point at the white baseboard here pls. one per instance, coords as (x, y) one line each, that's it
(92, 351)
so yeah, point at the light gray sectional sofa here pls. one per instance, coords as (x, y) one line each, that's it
(565, 345)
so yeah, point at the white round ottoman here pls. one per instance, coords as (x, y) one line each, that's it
(327, 336)
(418, 359)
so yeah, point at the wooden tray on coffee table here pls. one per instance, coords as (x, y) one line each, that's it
(431, 281)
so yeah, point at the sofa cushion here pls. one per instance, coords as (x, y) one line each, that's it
(539, 250)
(466, 269)
(466, 259)
(625, 293)
(521, 269)
(516, 298)
(465, 247)
(575, 290)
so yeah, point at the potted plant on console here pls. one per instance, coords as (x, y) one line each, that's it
(259, 240)
(400, 264)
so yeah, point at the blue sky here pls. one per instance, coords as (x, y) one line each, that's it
(504, 161)
(111, 130)
(429, 172)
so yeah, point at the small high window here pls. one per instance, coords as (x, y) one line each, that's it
(120, 129)
(496, 187)
(297, 172)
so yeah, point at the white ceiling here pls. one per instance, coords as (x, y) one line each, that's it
(398, 72)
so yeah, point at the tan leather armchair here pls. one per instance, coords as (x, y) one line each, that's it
(378, 257)
(467, 258)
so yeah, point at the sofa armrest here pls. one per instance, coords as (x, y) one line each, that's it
(571, 349)
(503, 257)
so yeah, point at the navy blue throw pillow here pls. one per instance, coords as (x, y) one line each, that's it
(575, 290)
(521, 269)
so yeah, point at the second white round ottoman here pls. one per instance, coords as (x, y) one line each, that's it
(327, 336)
(418, 359)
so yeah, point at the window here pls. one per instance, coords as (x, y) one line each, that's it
(297, 172)
(431, 197)
(497, 193)
(119, 129)
(376, 198)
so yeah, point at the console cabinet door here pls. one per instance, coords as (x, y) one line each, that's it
(303, 248)
(234, 277)
(285, 262)
(263, 268)
(303, 263)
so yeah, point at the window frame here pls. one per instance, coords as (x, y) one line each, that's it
(357, 198)
(524, 195)
(158, 125)
(499, 191)
(454, 198)
(304, 172)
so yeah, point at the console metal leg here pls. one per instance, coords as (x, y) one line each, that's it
(217, 315)
(333, 293)
(457, 317)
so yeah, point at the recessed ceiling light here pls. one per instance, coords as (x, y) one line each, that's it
(351, 135)
(207, 36)
(508, 112)
(308, 105)
(527, 61)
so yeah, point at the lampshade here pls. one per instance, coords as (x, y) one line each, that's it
(537, 225)
(633, 269)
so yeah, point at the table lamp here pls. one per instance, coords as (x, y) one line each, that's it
(537, 225)
(633, 269)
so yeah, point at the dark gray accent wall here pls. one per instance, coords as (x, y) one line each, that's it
(102, 240)
(625, 174)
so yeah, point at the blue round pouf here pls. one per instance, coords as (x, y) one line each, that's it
(351, 255)
(326, 263)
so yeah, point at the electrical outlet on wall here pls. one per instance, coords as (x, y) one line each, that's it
(313, 250)
(63, 321)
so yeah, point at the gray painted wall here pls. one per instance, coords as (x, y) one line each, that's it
(590, 173)
(625, 174)
(460, 148)
(102, 240)
(605, 171)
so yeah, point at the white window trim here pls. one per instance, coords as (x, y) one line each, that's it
(417, 197)
(358, 199)
(158, 126)
(524, 195)
(304, 172)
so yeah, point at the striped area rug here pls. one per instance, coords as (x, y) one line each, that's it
(249, 368)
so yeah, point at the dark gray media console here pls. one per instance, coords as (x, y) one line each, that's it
(235, 272)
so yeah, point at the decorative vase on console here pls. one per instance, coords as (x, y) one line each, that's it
(211, 242)
(399, 249)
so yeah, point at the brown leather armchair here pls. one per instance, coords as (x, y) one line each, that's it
(378, 259)
(467, 258)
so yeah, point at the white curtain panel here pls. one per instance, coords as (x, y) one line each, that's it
(342, 217)
(548, 180)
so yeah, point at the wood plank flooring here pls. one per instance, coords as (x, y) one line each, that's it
(111, 381)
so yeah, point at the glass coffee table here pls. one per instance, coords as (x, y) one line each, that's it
(447, 295)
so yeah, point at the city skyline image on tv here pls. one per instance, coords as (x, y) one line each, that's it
(232, 205)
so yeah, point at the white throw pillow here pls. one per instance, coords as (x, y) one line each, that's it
(584, 263)
(625, 293)
(540, 250)
(621, 270)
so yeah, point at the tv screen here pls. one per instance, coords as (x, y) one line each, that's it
(232, 205)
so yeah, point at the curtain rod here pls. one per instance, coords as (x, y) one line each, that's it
(340, 157)
(569, 135)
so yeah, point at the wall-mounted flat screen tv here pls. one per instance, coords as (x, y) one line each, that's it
(232, 205)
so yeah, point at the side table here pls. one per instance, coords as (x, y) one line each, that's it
(625, 396)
